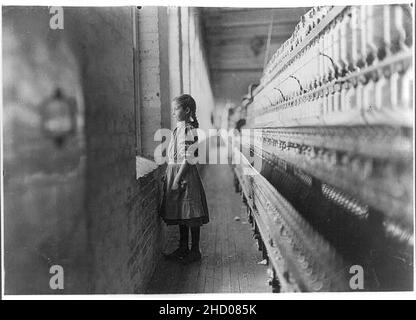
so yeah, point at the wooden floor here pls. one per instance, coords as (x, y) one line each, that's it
(230, 258)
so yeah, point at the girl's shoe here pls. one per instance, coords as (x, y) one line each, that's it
(192, 256)
(178, 254)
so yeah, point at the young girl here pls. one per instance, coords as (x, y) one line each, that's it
(184, 201)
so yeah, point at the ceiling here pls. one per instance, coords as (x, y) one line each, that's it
(236, 41)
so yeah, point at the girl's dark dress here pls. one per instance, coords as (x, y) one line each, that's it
(187, 205)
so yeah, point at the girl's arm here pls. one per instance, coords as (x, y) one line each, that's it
(185, 139)
(180, 174)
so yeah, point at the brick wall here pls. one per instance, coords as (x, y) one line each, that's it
(125, 229)
(145, 230)
(149, 78)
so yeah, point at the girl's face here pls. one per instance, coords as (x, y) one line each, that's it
(178, 111)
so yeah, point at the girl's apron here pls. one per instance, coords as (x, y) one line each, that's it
(186, 205)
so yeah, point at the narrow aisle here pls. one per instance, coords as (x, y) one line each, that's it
(229, 254)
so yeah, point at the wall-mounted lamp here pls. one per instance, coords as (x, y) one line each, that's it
(58, 117)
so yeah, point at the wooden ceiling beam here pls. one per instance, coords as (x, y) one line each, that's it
(250, 24)
(224, 39)
(255, 15)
